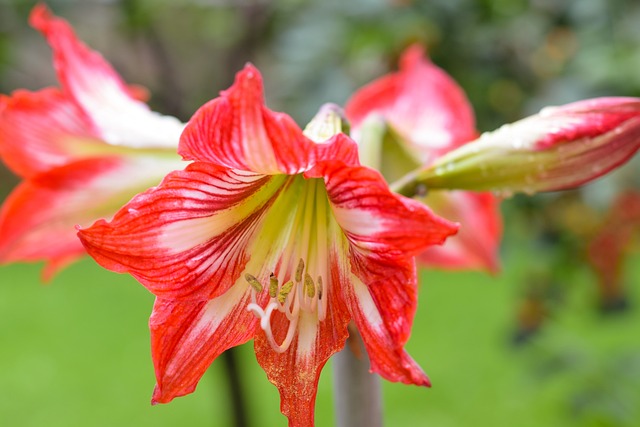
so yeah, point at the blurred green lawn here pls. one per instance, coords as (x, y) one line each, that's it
(76, 353)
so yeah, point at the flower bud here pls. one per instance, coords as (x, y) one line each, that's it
(556, 149)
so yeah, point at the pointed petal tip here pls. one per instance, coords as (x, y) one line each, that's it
(413, 56)
(53, 266)
(156, 398)
(421, 379)
(247, 81)
(41, 17)
(449, 229)
(249, 66)
(249, 73)
(159, 397)
(455, 227)
(38, 12)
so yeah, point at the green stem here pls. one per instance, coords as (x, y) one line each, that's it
(236, 395)
(409, 185)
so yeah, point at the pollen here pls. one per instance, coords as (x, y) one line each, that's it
(309, 286)
(273, 286)
(319, 283)
(299, 270)
(255, 283)
(284, 291)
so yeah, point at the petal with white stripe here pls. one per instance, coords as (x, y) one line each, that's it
(44, 129)
(38, 219)
(190, 236)
(238, 131)
(117, 115)
(187, 336)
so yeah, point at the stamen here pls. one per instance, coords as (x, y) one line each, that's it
(299, 271)
(292, 290)
(284, 291)
(309, 287)
(256, 309)
(273, 286)
(265, 324)
(255, 283)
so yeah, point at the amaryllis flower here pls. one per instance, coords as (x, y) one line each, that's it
(274, 235)
(411, 118)
(83, 151)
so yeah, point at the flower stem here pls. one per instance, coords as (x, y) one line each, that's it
(409, 185)
(236, 394)
(357, 392)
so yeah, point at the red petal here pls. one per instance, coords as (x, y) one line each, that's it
(477, 244)
(373, 218)
(100, 92)
(421, 102)
(340, 148)
(296, 371)
(41, 130)
(583, 119)
(188, 238)
(381, 296)
(236, 130)
(38, 220)
(186, 337)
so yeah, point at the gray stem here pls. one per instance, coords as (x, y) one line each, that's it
(357, 392)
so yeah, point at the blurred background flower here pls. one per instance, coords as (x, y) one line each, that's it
(529, 347)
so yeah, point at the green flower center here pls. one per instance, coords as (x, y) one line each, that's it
(299, 223)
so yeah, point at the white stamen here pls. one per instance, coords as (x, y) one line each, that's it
(265, 324)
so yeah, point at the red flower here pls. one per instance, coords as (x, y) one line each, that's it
(83, 151)
(275, 235)
(424, 115)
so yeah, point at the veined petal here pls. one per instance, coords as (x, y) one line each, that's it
(238, 131)
(38, 219)
(41, 130)
(339, 148)
(381, 296)
(477, 244)
(119, 118)
(296, 371)
(421, 103)
(187, 336)
(376, 220)
(187, 238)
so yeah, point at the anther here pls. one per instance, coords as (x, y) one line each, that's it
(299, 271)
(319, 285)
(273, 286)
(309, 287)
(284, 291)
(255, 283)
